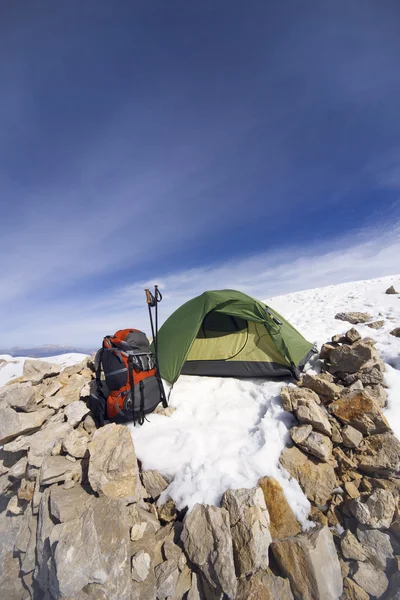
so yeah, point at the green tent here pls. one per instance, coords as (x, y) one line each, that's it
(225, 333)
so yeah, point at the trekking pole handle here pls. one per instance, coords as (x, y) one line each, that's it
(148, 296)
(157, 294)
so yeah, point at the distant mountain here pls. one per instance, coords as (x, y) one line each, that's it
(46, 350)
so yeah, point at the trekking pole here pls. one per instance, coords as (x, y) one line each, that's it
(152, 301)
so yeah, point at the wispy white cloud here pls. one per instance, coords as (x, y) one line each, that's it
(371, 253)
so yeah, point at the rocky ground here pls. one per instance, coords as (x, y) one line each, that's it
(79, 518)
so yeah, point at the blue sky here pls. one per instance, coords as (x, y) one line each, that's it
(198, 145)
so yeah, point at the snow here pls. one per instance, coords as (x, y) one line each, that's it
(13, 366)
(226, 433)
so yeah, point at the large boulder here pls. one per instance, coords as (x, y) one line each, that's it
(311, 563)
(380, 454)
(113, 468)
(317, 479)
(207, 540)
(67, 505)
(249, 521)
(282, 520)
(37, 370)
(13, 423)
(361, 412)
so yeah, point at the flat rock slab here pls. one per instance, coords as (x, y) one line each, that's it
(57, 468)
(207, 539)
(75, 412)
(13, 424)
(66, 505)
(249, 519)
(350, 359)
(37, 370)
(113, 468)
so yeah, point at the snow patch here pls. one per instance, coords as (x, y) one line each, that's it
(12, 367)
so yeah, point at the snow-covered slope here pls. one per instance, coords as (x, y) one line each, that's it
(11, 367)
(226, 433)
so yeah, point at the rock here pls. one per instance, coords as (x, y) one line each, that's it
(58, 468)
(350, 359)
(43, 442)
(370, 579)
(183, 584)
(318, 480)
(207, 540)
(326, 350)
(318, 445)
(249, 521)
(395, 332)
(292, 397)
(351, 437)
(322, 386)
(377, 547)
(76, 442)
(310, 562)
(75, 412)
(194, 592)
(354, 317)
(351, 547)
(376, 324)
(113, 469)
(351, 490)
(10, 583)
(377, 512)
(45, 525)
(17, 471)
(378, 394)
(265, 586)
(112, 529)
(278, 587)
(89, 424)
(300, 434)
(352, 336)
(167, 575)
(361, 412)
(65, 396)
(393, 591)
(154, 483)
(314, 415)
(140, 566)
(164, 412)
(13, 424)
(37, 370)
(48, 388)
(352, 591)
(380, 454)
(167, 512)
(282, 520)
(66, 505)
(20, 396)
(391, 290)
(77, 556)
(141, 521)
(372, 375)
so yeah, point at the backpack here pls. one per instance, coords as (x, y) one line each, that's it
(132, 386)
